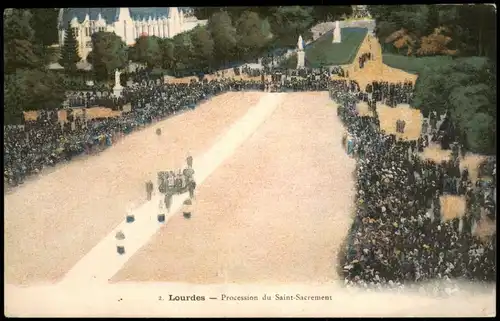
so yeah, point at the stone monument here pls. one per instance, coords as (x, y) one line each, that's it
(301, 55)
(337, 38)
(117, 89)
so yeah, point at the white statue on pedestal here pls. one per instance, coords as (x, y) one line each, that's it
(301, 55)
(337, 37)
(117, 89)
(300, 43)
(117, 79)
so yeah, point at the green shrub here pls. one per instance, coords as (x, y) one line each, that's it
(465, 87)
(415, 65)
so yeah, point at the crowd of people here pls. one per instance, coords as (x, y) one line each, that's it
(363, 59)
(48, 141)
(390, 94)
(399, 235)
(88, 99)
(339, 71)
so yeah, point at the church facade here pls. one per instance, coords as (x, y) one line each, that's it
(128, 23)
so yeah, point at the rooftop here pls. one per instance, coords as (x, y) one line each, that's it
(111, 14)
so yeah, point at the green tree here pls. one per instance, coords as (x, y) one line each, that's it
(251, 36)
(44, 23)
(224, 35)
(69, 51)
(109, 54)
(47, 90)
(147, 51)
(183, 51)
(466, 87)
(14, 99)
(478, 29)
(471, 27)
(31, 90)
(203, 46)
(234, 12)
(481, 134)
(330, 13)
(289, 22)
(19, 50)
(167, 53)
(204, 13)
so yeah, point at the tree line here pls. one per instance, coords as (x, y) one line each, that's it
(231, 35)
(28, 85)
(468, 30)
(464, 86)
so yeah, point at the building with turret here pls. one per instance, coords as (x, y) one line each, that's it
(128, 23)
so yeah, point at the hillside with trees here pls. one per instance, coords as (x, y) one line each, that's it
(465, 85)
(28, 85)
(463, 30)
(232, 36)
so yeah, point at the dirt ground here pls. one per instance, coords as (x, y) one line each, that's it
(452, 206)
(485, 228)
(50, 223)
(435, 153)
(229, 73)
(94, 112)
(470, 161)
(375, 70)
(388, 117)
(363, 109)
(275, 212)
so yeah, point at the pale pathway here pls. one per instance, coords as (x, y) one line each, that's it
(102, 262)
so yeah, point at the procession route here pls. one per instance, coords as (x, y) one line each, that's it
(102, 262)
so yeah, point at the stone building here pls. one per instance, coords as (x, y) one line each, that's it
(128, 23)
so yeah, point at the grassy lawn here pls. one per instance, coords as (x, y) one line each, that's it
(325, 53)
(414, 65)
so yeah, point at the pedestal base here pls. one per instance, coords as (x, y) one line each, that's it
(301, 55)
(117, 91)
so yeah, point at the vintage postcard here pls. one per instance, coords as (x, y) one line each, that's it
(314, 161)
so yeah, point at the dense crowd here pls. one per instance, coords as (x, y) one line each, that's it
(399, 235)
(390, 94)
(48, 141)
(337, 70)
(88, 99)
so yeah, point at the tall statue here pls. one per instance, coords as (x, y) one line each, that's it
(117, 78)
(337, 35)
(300, 43)
(117, 89)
